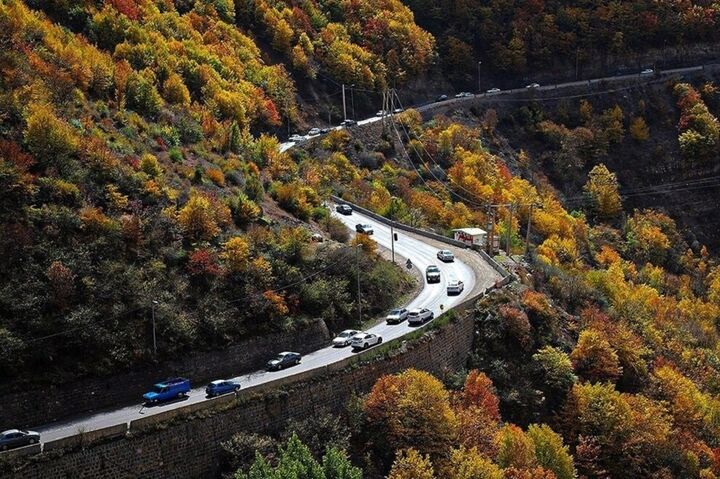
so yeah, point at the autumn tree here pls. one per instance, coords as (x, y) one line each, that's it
(50, 140)
(202, 219)
(470, 464)
(174, 90)
(639, 129)
(515, 448)
(594, 359)
(236, 254)
(410, 464)
(602, 190)
(411, 410)
(550, 451)
(557, 370)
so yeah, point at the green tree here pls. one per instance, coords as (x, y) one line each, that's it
(556, 367)
(142, 96)
(550, 451)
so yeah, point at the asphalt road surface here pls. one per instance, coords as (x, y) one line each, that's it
(432, 296)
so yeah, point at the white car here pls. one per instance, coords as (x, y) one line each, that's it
(397, 316)
(455, 286)
(296, 137)
(446, 256)
(398, 110)
(314, 131)
(419, 316)
(381, 113)
(343, 339)
(647, 71)
(492, 91)
(532, 86)
(364, 340)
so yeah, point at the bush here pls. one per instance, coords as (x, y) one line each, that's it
(239, 452)
(337, 230)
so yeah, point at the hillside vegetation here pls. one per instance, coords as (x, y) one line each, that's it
(522, 37)
(130, 182)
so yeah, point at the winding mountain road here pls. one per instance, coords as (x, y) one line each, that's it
(468, 267)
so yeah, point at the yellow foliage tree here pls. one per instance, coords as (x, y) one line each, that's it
(410, 464)
(470, 464)
(201, 219)
(236, 254)
(602, 188)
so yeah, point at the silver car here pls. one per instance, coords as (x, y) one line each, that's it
(343, 339)
(446, 256)
(397, 316)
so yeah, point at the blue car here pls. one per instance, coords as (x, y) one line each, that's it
(166, 390)
(221, 386)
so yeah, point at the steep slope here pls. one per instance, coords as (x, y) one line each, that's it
(130, 185)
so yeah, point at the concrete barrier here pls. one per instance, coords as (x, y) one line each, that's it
(105, 433)
(63, 443)
(21, 452)
(148, 422)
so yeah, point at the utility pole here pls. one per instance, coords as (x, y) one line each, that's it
(352, 100)
(577, 63)
(154, 303)
(343, 97)
(392, 242)
(491, 241)
(509, 231)
(479, 89)
(527, 233)
(357, 257)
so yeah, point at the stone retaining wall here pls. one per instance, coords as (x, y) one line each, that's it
(189, 447)
(42, 405)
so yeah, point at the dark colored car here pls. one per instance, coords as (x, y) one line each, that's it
(432, 273)
(13, 438)
(441, 98)
(364, 228)
(344, 209)
(283, 360)
(221, 386)
(348, 122)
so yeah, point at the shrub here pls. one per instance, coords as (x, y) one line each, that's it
(336, 229)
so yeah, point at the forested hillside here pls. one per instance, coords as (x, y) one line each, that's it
(524, 37)
(130, 181)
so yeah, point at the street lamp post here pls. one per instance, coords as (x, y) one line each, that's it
(479, 88)
(154, 303)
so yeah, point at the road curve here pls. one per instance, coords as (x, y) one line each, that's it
(422, 253)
